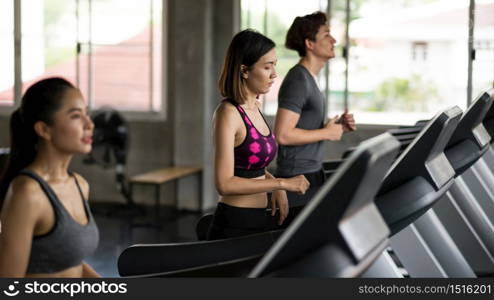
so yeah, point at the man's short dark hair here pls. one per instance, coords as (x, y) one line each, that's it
(302, 28)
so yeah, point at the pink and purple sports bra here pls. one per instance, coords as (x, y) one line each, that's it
(256, 151)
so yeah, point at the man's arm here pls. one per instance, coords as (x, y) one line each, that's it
(288, 134)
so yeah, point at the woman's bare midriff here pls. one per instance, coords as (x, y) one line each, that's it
(73, 272)
(259, 200)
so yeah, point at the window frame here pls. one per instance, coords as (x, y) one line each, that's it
(153, 116)
(325, 75)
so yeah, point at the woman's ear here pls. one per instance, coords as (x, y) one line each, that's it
(244, 71)
(42, 130)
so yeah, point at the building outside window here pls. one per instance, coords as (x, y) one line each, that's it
(407, 59)
(110, 49)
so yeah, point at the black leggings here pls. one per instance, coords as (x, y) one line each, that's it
(231, 221)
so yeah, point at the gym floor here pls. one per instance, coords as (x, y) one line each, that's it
(120, 228)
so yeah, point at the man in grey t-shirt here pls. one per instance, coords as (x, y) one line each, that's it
(300, 126)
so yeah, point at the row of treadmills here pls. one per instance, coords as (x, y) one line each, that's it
(420, 196)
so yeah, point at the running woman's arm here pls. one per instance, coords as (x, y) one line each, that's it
(225, 124)
(20, 213)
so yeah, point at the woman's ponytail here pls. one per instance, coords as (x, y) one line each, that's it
(39, 103)
(22, 151)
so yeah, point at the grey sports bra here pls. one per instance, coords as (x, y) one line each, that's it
(68, 242)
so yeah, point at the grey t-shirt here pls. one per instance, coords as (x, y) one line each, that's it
(299, 93)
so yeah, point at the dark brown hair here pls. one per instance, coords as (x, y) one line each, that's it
(39, 103)
(246, 48)
(302, 28)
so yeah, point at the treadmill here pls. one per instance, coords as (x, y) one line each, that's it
(466, 209)
(338, 234)
(417, 180)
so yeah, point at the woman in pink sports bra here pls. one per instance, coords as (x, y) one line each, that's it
(244, 143)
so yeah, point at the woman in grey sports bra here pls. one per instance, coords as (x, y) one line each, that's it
(47, 227)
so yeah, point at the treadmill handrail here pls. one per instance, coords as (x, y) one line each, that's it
(472, 118)
(425, 148)
(157, 256)
(336, 201)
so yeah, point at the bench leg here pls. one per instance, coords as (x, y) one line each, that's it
(157, 202)
(177, 184)
(131, 191)
(200, 192)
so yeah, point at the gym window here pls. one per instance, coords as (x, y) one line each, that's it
(419, 51)
(395, 63)
(112, 50)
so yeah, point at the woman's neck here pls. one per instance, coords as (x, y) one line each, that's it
(51, 164)
(251, 100)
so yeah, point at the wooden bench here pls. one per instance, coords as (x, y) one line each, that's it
(164, 175)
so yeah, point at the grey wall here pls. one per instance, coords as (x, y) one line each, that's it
(198, 35)
(199, 32)
(150, 148)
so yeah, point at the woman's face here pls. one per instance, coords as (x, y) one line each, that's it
(261, 75)
(72, 129)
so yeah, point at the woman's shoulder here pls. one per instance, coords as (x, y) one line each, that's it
(226, 105)
(225, 109)
(26, 191)
(24, 184)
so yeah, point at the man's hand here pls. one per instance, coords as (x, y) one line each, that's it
(347, 121)
(334, 129)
